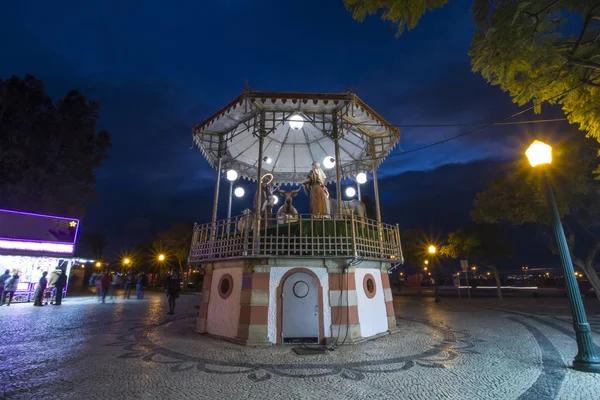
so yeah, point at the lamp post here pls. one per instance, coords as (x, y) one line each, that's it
(432, 250)
(232, 176)
(540, 153)
(361, 178)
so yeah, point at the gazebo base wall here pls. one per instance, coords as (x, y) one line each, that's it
(354, 302)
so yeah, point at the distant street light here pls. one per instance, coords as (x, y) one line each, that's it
(431, 249)
(126, 261)
(161, 257)
(98, 264)
(540, 154)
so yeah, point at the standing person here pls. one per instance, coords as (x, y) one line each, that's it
(3, 279)
(318, 192)
(10, 286)
(39, 290)
(139, 287)
(116, 280)
(172, 290)
(129, 284)
(103, 284)
(52, 282)
(59, 285)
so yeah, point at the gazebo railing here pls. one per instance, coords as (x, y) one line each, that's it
(306, 236)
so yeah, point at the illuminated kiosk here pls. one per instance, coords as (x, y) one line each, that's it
(312, 278)
(33, 243)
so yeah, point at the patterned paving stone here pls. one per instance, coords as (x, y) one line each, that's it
(131, 349)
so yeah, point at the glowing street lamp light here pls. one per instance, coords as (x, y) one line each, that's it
(426, 262)
(98, 264)
(161, 257)
(350, 191)
(239, 192)
(540, 154)
(126, 261)
(431, 249)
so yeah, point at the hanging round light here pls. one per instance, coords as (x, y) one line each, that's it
(275, 200)
(329, 162)
(296, 122)
(361, 177)
(267, 160)
(232, 175)
(350, 191)
(239, 192)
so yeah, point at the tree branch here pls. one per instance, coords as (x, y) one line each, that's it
(585, 26)
(582, 63)
(588, 82)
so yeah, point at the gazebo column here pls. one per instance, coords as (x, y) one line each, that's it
(376, 189)
(338, 162)
(217, 186)
(256, 230)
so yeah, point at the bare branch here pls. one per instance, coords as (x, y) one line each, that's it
(587, 64)
(585, 26)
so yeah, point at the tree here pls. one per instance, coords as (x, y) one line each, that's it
(519, 198)
(525, 48)
(175, 243)
(414, 247)
(93, 245)
(48, 151)
(483, 244)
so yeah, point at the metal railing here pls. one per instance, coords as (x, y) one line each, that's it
(306, 236)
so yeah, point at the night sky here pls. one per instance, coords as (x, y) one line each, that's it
(158, 69)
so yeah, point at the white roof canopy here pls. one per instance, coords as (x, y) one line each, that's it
(233, 133)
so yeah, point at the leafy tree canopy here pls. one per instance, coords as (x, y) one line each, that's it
(48, 151)
(538, 51)
(482, 243)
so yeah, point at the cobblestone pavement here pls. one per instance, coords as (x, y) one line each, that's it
(131, 349)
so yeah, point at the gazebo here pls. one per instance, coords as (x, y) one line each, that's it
(304, 277)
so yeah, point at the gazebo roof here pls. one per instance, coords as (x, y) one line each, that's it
(289, 153)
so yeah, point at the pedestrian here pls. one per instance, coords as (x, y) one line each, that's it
(139, 287)
(116, 281)
(103, 284)
(59, 286)
(3, 279)
(10, 286)
(39, 290)
(172, 289)
(52, 282)
(129, 284)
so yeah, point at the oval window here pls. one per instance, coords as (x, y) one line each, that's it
(225, 286)
(369, 286)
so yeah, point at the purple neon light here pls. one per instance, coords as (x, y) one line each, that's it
(47, 216)
(37, 246)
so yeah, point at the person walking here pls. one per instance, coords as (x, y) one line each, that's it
(129, 284)
(10, 287)
(116, 282)
(172, 289)
(39, 290)
(139, 287)
(59, 286)
(103, 284)
(3, 279)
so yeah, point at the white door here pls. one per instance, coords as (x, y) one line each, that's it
(300, 308)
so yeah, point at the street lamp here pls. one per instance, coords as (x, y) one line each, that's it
(540, 154)
(161, 257)
(98, 264)
(431, 249)
(361, 178)
(232, 176)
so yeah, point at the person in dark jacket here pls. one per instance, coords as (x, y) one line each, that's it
(139, 287)
(103, 284)
(129, 284)
(10, 287)
(172, 290)
(3, 279)
(59, 285)
(39, 290)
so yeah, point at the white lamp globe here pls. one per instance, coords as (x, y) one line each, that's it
(232, 175)
(296, 122)
(275, 199)
(361, 178)
(239, 192)
(329, 162)
(350, 191)
(267, 160)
